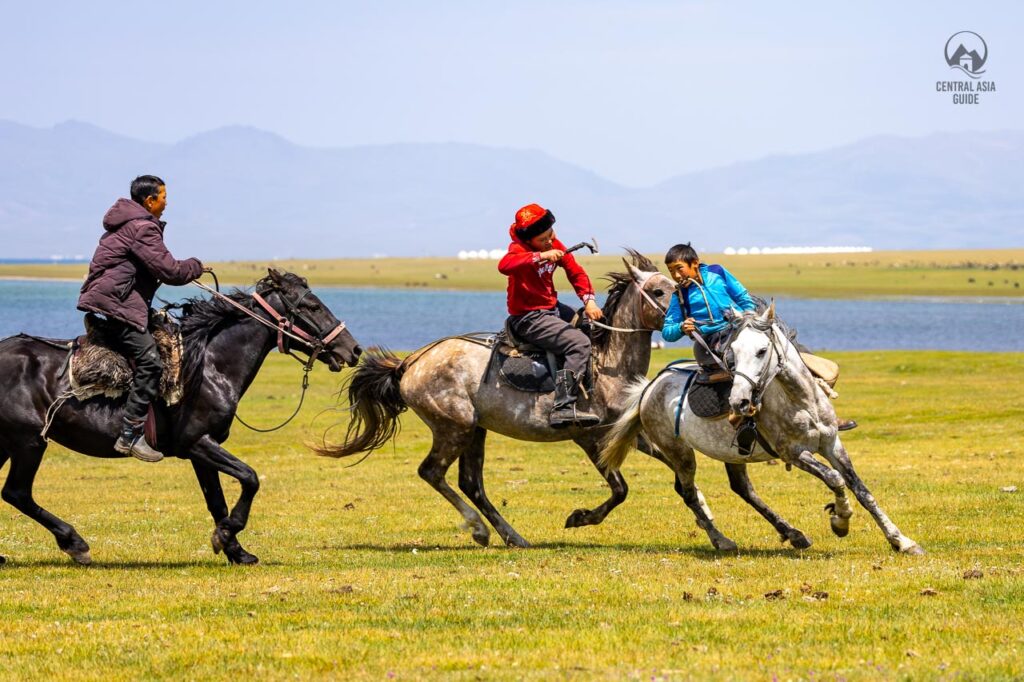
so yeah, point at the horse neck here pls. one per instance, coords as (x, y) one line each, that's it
(626, 355)
(795, 379)
(239, 350)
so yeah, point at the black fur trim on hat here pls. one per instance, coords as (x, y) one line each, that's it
(544, 223)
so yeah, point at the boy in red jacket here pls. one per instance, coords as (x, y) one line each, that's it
(536, 316)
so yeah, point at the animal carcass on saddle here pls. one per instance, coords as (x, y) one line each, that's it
(94, 368)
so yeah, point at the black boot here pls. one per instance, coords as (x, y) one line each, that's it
(564, 412)
(133, 442)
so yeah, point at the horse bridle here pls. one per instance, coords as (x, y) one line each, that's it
(645, 297)
(288, 330)
(763, 379)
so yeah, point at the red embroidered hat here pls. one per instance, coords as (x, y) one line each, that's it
(532, 220)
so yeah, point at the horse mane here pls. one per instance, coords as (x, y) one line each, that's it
(202, 318)
(751, 319)
(620, 282)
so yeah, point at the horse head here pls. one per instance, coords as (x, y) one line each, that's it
(300, 312)
(759, 356)
(639, 297)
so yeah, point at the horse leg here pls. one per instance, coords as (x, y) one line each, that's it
(209, 482)
(210, 455)
(471, 482)
(3, 460)
(899, 542)
(678, 486)
(683, 462)
(839, 511)
(17, 491)
(443, 452)
(588, 517)
(739, 481)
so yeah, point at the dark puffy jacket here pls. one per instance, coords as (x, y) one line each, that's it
(130, 262)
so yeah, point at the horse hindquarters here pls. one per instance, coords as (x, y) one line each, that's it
(25, 458)
(27, 380)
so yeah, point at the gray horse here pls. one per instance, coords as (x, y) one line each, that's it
(448, 386)
(794, 417)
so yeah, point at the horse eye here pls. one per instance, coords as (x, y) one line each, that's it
(761, 352)
(658, 292)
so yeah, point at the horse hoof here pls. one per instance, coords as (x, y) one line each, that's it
(725, 545)
(840, 526)
(579, 518)
(478, 531)
(3, 560)
(798, 540)
(913, 549)
(217, 542)
(516, 541)
(81, 557)
(242, 558)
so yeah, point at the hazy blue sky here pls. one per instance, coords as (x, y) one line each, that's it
(636, 91)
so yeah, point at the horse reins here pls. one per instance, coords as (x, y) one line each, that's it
(286, 329)
(647, 297)
(285, 326)
(763, 380)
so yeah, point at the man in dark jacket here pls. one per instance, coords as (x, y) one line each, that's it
(129, 264)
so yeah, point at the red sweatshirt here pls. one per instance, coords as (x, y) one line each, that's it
(531, 281)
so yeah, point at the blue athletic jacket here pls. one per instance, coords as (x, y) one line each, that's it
(706, 303)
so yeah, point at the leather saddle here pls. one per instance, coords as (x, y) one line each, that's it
(524, 366)
(95, 368)
(706, 391)
(708, 394)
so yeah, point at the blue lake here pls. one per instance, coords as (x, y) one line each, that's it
(403, 319)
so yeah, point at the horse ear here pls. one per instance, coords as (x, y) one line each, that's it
(633, 271)
(771, 310)
(275, 276)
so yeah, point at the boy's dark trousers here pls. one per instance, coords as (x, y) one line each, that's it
(552, 331)
(141, 349)
(716, 342)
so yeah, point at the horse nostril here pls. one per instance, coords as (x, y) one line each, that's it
(357, 351)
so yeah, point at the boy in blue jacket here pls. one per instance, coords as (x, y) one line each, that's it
(705, 293)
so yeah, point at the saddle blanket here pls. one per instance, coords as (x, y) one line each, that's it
(94, 368)
(530, 372)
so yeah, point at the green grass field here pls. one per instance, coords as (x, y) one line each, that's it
(365, 574)
(883, 273)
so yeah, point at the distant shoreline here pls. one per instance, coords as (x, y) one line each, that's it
(30, 278)
(982, 274)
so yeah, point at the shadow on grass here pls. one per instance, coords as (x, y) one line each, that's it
(14, 565)
(705, 553)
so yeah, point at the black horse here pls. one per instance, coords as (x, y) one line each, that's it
(224, 349)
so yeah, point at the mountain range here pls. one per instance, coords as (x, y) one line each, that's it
(243, 193)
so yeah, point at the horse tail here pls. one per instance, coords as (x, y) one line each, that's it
(623, 434)
(375, 402)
